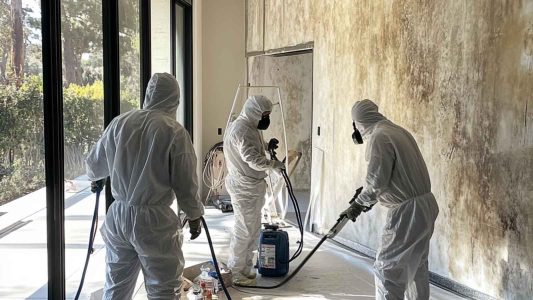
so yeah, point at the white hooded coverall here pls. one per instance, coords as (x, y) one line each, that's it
(246, 162)
(150, 159)
(397, 176)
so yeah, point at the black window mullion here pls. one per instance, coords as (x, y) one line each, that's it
(53, 142)
(173, 41)
(110, 23)
(187, 36)
(146, 56)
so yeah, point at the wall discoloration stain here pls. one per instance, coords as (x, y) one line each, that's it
(255, 18)
(293, 74)
(459, 76)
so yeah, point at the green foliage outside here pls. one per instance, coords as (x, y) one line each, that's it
(21, 99)
(22, 143)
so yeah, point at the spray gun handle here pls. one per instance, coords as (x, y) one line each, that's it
(274, 157)
(342, 220)
(357, 193)
(272, 154)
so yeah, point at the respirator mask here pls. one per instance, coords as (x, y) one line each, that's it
(264, 122)
(356, 135)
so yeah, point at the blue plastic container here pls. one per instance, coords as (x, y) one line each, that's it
(273, 253)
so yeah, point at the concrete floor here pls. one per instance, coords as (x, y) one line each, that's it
(333, 272)
(23, 250)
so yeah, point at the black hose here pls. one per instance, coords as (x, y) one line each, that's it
(297, 213)
(213, 256)
(299, 251)
(300, 266)
(300, 226)
(90, 249)
(300, 247)
(295, 204)
(215, 262)
(92, 236)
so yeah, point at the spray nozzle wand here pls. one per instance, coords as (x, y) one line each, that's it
(341, 221)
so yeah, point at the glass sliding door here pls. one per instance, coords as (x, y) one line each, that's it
(129, 48)
(83, 121)
(51, 98)
(23, 242)
(179, 54)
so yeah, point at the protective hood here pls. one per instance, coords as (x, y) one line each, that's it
(253, 109)
(365, 114)
(162, 93)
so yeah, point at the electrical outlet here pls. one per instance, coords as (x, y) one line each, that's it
(220, 131)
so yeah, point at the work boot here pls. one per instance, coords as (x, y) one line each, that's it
(251, 274)
(241, 279)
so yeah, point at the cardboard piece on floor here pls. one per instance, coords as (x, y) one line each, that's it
(186, 284)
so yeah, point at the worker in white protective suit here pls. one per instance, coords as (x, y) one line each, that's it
(398, 178)
(151, 160)
(247, 166)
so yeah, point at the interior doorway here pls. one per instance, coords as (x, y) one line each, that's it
(293, 73)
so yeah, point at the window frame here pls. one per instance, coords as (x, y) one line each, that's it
(187, 97)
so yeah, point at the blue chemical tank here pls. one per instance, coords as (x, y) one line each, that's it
(273, 252)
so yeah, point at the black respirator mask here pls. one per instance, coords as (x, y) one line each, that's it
(356, 135)
(264, 123)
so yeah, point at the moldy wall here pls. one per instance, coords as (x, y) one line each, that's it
(459, 76)
(293, 74)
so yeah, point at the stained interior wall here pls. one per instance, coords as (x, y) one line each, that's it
(458, 75)
(294, 75)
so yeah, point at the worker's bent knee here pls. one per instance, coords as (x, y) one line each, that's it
(158, 293)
